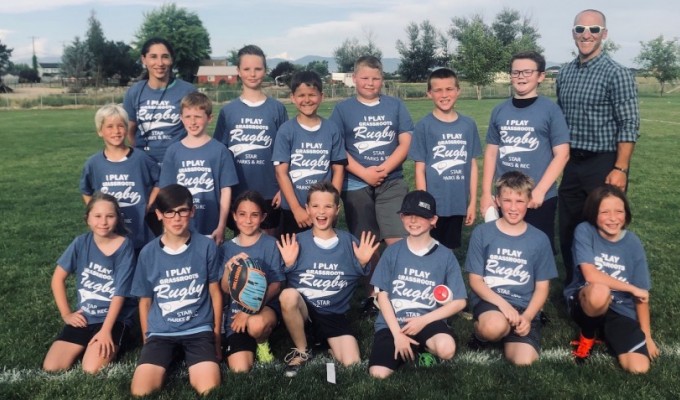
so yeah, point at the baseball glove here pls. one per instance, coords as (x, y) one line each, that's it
(248, 285)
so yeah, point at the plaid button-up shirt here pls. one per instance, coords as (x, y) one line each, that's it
(599, 100)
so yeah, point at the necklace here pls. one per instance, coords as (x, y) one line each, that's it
(153, 113)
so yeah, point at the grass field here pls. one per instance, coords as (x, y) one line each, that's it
(41, 157)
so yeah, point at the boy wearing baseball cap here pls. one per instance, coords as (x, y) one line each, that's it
(410, 319)
(510, 264)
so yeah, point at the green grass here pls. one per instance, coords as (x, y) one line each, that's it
(41, 157)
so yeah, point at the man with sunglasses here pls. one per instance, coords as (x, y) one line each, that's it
(599, 99)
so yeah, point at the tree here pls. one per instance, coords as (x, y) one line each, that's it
(515, 34)
(119, 60)
(96, 43)
(420, 53)
(283, 72)
(661, 59)
(350, 50)
(76, 61)
(318, 66)
(5, 54)
(479, 54)
(25, 73)
(232, 57)
(184, 30)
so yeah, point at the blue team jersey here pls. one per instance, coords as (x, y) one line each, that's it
(309, 155)
(526, 136)
(510, 265)
(178, 286)
(326, 278)
(157, 115)
(266, 255)
(130, 181)
(99, 277)
(249, 132)
(448, 150)
(624, 260)
(409, 280)
(205, 171)
(371, 132)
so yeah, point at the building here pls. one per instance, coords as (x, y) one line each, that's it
(49, 71)
(215, 75)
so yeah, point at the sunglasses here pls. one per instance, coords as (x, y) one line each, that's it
(593, 29)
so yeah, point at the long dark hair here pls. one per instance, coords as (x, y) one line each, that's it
(147, 46)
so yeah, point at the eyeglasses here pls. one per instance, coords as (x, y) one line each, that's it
(182, 212)
(515, 73)
(593, 29)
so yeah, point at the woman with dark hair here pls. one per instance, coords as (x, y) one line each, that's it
(153, 103)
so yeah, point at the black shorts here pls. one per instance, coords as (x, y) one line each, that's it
(621, 334)
(543, 218)
(238, 342)
(272, 220)
(162, 350)
(325, 326)
(533, 338)
(382, 352)
(448, 231)
(288, 224)
(82, 336)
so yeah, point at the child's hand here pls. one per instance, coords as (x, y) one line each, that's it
(537, 197)
(510, 314)
(374, 175)
(75, 319)
(218, 235)
(524, 326)
(471, 213)
(302, 218)
(652, 349)
(104, 341)
(367, 246)
(641, 295)
(240, 322)
(276, 201)
(413, 326)
(402, 347)
(232, 261)
(289, 249)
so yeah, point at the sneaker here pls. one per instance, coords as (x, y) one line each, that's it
(583, 348)
(476, 343)
(369, 307)
(294, 361)
(426, 359)
(264, 353)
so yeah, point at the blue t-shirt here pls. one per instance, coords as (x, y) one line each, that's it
(448, 150)
(371, 133)
(510, 265)
(177, 285)
(526, 136)
(100, 277)
(326, 278)
(410, 279)
(266, 255)
(309, 155)
(130, 181)
(157, 113)
(249, 132)
(205, 171)
(624, 260)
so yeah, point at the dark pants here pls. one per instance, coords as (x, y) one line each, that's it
(584, 172)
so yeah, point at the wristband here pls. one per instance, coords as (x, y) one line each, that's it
(624, 170)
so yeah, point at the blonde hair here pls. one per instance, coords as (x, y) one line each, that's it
(110, 110)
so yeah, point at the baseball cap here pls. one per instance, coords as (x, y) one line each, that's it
(420, 203)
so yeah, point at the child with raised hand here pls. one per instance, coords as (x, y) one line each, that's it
(127, 174)
(204, 166)
(609, 293)
(308, 149)
(444, 147)
(102, 262)
(322, 266)
(407, 274)
(510, 264)
(246, 335)
(248, 126)
(180, 301)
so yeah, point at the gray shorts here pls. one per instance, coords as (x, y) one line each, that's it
(375, 209)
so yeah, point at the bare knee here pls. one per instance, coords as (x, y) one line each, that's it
(492, 328)
(289, 299)
(595, 299)
(634, 363)
(379, 372)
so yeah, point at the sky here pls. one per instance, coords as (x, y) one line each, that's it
(292, 29)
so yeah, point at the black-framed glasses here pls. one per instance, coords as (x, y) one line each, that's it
(515, 73)
(593, 29)
(182, 212)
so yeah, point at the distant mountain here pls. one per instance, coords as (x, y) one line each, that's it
(389, 64)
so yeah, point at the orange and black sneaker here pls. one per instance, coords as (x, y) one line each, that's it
(583, 348)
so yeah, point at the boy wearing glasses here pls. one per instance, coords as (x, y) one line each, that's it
(204, 166)
(180, 301)
(599, 99)
(527, 133)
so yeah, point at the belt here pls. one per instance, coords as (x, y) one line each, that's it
(579, 154)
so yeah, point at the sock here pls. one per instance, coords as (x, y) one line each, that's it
(589, 326)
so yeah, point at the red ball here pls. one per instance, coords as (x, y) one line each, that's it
(442, 294)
